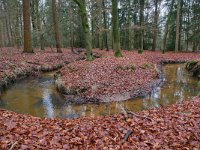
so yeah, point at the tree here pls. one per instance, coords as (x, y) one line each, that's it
(86, 28)
(177, 25)
(166, 30)
(105, 26)
(141, 26)
(115, 29)
(155, 25)
(27, 27)
(56, 30)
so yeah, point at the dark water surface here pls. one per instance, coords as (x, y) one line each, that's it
(38, 97)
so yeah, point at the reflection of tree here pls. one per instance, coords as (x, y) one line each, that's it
(48, 103)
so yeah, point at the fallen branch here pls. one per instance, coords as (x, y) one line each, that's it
(35, 63)
(126, 112)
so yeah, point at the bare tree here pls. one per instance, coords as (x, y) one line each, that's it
(55, 24)
(27, 27)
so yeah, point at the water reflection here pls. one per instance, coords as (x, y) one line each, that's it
(38, 97)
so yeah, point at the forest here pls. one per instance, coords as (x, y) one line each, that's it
(99, 74)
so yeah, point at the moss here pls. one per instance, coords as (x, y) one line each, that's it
(131, 67)
(118, 54)
(147, 66)
(198, 84)
(140, 51)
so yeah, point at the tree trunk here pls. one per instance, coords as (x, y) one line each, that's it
(86, 28)
(141, 26)
(115, 27)
(71, 28)
(180, 24)
(164, 42)
(17, 29)
(27, 27)
(177, 25)
(129, 25)
(105, 35)
(56, 29)
(155, 26)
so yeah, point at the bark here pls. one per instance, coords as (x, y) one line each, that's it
(177, 25)
(115, 28)
(71, 28)
(27, 27)
(17, 29)
(141, 26)
(180, 26)
(105, 35)
(56, 29)
(129, 25)
(86, 28)
(1, 38)
(167, 27)
(155, 26)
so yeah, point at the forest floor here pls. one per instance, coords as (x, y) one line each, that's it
(171, 127)
(114, 79)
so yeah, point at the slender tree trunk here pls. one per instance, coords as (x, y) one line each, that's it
(164, 42)
(17, 31)
(155, 26)
(86, 28)
(141, 26)
(27, 27)
(1, 39)
(56, 29)
(115, 27)
(177, 25)
(129, 25)
(105, 26)
(71, 28)
(180, 24)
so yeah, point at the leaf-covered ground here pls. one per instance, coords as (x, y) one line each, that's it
(172, 127)
(14, 63)
(114, 79)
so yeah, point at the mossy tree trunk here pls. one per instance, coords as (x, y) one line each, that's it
(56, 29)
(27, 27)
(115, 29)
(86, 28)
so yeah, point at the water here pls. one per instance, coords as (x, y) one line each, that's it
(38, 97)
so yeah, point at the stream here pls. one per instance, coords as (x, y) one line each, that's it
(39, 97)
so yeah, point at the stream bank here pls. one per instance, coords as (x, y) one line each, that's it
(116, 79)
(15, 65)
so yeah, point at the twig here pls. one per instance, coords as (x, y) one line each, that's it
(13, 145)
(127, 135)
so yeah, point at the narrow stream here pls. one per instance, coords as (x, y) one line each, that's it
(38, 97)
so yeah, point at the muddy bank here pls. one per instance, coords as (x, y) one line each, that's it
(16, 65)
(194, 68)
(109, 79)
